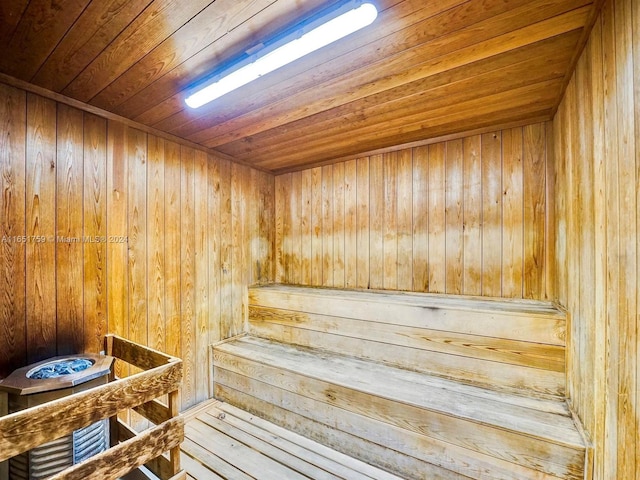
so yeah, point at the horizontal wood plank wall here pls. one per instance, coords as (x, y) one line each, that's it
(466, 216)
(106, 228)
(597, 153)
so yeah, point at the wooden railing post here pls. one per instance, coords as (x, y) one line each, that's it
(113, 421)
(174, 454)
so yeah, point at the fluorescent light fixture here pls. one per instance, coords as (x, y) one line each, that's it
(315, 34)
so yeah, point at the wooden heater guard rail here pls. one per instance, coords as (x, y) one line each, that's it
(161, 374)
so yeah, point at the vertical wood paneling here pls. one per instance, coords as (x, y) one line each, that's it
(453, 217)
(628, 400)
(420, 219)
(362, 222)
(226, 250)
(492, 214)
(252, 234)
(95, 233)
(306, 232)
(41, 224)
(117, 185)
(108, 229)
(573, 196)
(534, 210)
(550, 216)
(437, 218)
(13, 348)
(295, 228)
(559, 131)
(599, 357)
(172, 240)
(137, 246)
(444, 218)
(316, 225)
(634, 410)
(188, 272)
(201, 280)
(390, 222)
(155, 243)
(327, 226)
(247, 194)
(512, 209)
(237, 236)
(405, 220)
(338, 225)
(351, 223)
(376, 221)
(472, 213)
(279, 225)
(213, 247)
(596, 221)
(69, 227)
(137, 235)
(584, 182)
(614, 316)
(285, 227)
(265, 211)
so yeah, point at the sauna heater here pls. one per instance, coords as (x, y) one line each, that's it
(50, 380)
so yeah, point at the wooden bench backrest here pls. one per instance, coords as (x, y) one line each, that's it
(503, 344)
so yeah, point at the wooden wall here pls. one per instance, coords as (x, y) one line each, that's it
(105, 228)
(466, 216)
(597, 128)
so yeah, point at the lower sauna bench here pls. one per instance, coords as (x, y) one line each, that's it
(224, 442)
(422, 427)
(305, 367)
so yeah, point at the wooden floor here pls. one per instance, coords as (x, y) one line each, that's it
(223, 442)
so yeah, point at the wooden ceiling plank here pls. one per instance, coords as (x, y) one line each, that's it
(439, 134)
(159, 100)
(10, 15)
(42, 25)
(532, 118)
(201, 31)
(360, 132)
(157, 22)
(409, 43)
(517, 116)
(546, 59)
(404, 69)
(99, 24)
(395, 16)
(406, 112)
(536, 97)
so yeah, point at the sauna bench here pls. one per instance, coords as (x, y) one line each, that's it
(424, 386)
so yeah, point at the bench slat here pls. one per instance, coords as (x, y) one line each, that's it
(528, 322)
(494, 427)
(544, 356)
(474, 371)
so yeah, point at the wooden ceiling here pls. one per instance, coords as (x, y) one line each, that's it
(424, 69)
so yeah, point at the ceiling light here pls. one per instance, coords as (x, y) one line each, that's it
(309, 37)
